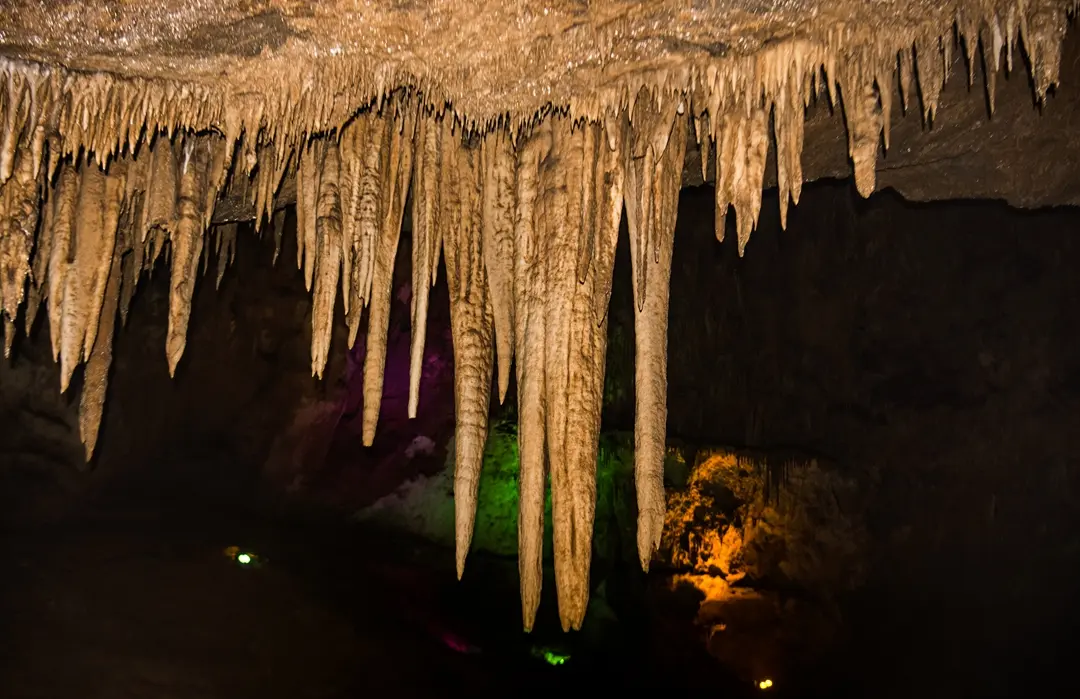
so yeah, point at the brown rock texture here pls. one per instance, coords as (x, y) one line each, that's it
(769, 542)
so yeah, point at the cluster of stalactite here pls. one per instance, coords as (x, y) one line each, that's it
(524, 215)
(96, 231)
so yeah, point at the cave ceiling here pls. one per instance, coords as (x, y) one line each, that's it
(511, 137)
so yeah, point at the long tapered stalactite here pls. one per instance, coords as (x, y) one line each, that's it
(471, 326)
(576, 342)
(396, 165)
(499, 172)
(103, 177)
(426, 244)
(653, 173)
(530, 286)
(570, 198)
(96, 371)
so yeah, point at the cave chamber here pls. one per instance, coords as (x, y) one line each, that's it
(419, 348)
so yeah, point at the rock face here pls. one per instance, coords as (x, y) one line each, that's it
(784, 521)
(769, 541)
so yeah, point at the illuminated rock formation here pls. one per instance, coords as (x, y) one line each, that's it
(522, 132)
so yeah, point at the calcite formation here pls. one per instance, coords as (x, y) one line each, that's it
(522, 130)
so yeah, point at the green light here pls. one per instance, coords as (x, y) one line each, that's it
(549, 656)
(243, 559)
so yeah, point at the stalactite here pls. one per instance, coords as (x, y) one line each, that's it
(369, 220)
(789, 118)
(196, 188)
(226, 250)
(610, 181)
(526, 211)
(742, 146)
(905, 73)
(530, 292)
(160, 187)
(307, 192)
(471, 326)
(395, 174)
(134, 258)
(19, 205)
(864, 117)
(96, 371)
(61, 249)
(426, 243)
(21, 110)
(576, 344)
(569, 198)
(278, 224)
(273, 163)
(930, 70)
(499, 209)
(653, 178)
(37, 284)
(573, 493)
(326, 253)
(85, 263)
(353, 143)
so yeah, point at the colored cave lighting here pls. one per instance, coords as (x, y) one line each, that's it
(244, 558)
(550, 657)
(458, 644)
(764, 684)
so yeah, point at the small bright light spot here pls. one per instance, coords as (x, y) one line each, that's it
(549, 656)
(764, 684)
(244, 558)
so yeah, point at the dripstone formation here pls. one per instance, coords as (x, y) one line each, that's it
(522, 131)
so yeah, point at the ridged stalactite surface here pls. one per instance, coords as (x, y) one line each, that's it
(471, 325)
(530, 292)
(653, 177)
(396, 161)
(521, 132)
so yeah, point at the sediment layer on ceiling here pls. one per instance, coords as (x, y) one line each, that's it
(523, 132)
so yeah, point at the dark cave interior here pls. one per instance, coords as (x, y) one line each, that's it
(908, 373)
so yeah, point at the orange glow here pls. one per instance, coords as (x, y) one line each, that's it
(764, 684)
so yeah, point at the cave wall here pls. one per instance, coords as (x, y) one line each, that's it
(928, 350)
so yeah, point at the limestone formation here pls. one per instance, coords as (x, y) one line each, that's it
(522, 131)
